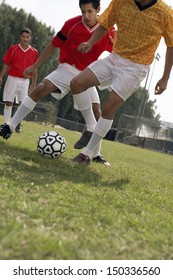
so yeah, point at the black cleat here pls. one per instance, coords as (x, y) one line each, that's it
(18, 128)
(83, 141)
(5, 131)
(100, 159)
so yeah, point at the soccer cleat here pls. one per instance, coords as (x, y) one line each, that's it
(18, 128)
(5, 131)
(100, 159)
(83, 141)
(82, 159)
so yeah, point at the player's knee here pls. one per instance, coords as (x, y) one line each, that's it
(38, 92)
(74, 85)
(41, 88)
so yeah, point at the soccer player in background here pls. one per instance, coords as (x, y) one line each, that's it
(141, 24)
(72, 62)
(17, 58)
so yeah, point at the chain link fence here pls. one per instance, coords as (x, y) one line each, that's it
(145, 133)
(141, 132)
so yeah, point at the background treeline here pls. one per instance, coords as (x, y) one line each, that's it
(11, 23)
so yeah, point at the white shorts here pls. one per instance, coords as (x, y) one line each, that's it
(121, 75)
(15, 88)
(62, 77)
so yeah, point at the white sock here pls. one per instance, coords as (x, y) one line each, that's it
(92, 145)
(102, 128)
(84, 104)
(7, 113)
(89, 119)
(97, 150)
(24, 109)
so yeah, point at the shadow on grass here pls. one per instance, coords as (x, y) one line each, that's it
(24, 165)
(118, 184)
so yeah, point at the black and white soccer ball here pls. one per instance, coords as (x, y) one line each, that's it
(51, 144)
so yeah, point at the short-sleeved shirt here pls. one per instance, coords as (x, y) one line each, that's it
(19, 59)
(139, 28)
(71, 35)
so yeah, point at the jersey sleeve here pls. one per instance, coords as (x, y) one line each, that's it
(168, 31)
(7, 57)
(108, 17)
(60, 39)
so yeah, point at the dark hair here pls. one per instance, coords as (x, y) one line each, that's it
(95, 3)
(26, 30)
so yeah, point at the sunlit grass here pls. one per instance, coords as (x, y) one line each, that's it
(55, 209)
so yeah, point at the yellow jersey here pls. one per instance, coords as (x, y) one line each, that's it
(140, 29)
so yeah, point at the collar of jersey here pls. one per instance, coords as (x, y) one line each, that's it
(24, 50)
(145, 7)
(90, 29)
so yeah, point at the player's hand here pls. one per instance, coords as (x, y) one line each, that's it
(84, 47)
(113, 38)
(29, 71)
(161, 86)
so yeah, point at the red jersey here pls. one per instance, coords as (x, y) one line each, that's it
(19, 59)
(74, 32)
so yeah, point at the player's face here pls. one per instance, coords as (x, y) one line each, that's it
(25, 39)
(89, 14)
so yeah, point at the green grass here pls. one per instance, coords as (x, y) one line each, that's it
(55, 209)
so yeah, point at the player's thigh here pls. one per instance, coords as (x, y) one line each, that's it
(22, 90)
(44, 88)
(83, 81)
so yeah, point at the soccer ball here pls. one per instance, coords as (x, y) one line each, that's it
(51, 144)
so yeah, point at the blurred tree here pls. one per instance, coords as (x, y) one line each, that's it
(11, 23)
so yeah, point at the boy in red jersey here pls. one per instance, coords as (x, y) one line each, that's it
(17, 58)
(73, 32)
(141, 25)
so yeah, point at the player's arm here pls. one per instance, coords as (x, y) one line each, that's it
(162, 83)
(113, 37)
(4, 71)
(47, 52)
(33, 81)
(96, 36)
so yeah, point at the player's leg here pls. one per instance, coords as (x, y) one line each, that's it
(21, 93)
(95, 100)
(123, 85)
(96, 110)
(41, 90)
(113, 102)
(57, 80)
(28, 104)
(87, 132)
(94, 96)
(90, 78)
(7, 111)
(83, 100)
(8, 97)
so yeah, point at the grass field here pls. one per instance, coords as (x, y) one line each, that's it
(55, 209)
